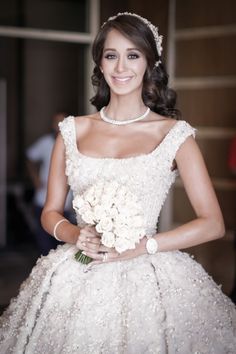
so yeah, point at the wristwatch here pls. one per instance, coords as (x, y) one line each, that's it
(151, 245)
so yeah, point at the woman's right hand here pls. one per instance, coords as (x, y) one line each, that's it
(89, 240)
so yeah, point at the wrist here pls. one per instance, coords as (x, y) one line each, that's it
(74, 233)
(67, 232)
(143, 249)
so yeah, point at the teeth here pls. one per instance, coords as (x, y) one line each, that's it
(122, 78)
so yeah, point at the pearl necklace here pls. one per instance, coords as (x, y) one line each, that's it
(122, 122)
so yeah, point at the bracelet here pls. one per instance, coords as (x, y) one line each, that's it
(56, 226)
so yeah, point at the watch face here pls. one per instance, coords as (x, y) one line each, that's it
(151, 246)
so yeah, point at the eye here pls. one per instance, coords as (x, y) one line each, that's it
(110, 56)
(133, 56)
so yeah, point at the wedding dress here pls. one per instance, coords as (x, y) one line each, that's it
(164, 303)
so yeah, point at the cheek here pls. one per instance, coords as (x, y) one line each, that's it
(141, 69)
(141, 72)
(106, 66)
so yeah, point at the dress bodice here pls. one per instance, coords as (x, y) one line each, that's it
(148, 176)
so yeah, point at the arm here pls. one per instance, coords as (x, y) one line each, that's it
(209, 224)
(56, 196)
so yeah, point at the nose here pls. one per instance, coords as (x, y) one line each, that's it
(120, 64)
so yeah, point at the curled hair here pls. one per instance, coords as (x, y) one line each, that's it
(155, 92)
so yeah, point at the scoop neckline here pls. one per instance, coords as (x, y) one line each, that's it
(144, 155)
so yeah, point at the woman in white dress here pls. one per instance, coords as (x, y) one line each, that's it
(151, 298)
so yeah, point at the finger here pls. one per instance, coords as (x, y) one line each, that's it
(85, 236)
(110, 258)
(88, 246)
(91, 244)
(93, 247)
(109, 250)
(86, 233)
(94, 240)
(82, 237)
(95, 256)
(80, 244)
(91, 229)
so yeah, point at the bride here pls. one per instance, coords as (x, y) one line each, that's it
(140, 293)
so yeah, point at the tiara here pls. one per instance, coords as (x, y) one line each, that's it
(158, 38)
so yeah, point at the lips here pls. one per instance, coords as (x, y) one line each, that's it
(122, 79)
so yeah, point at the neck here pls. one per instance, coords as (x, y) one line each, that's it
(123, 108)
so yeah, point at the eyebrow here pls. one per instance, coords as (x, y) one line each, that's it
(128, 49)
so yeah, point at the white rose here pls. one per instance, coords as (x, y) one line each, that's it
(86, 208)
(135, 235)
(92, 199)
(106, 202)
(99, 212)
(78, 202)
(105, 224)
(122, 232)
(122, 244)
(88, 217)
(113, 212)
(108, 239)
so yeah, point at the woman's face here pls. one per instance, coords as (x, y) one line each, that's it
(123, 64)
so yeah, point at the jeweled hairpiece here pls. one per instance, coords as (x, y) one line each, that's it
(158, 38)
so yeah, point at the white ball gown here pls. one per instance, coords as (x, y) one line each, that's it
(165, 303)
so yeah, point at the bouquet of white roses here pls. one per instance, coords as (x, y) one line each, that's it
(115, 213)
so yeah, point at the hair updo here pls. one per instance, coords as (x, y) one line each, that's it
(155, 93)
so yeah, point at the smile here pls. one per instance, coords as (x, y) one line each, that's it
(122, 79)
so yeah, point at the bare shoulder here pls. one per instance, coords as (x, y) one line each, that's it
(84, 122)
(161, 125)
(86, 118)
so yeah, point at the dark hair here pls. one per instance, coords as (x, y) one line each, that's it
(156, 94)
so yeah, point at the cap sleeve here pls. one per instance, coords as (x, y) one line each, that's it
(176, 137)
(67, 130)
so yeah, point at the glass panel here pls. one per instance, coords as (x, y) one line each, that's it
(64, 15)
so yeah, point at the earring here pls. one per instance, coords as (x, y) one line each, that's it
(101, 70)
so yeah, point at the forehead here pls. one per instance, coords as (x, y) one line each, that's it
(115, 39)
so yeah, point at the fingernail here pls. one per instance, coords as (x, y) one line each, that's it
(83, 243)
(84, 253)
(88, 239)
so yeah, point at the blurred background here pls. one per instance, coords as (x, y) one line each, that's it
(45, 68)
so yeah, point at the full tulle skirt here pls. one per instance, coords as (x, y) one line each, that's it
(165, 303)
